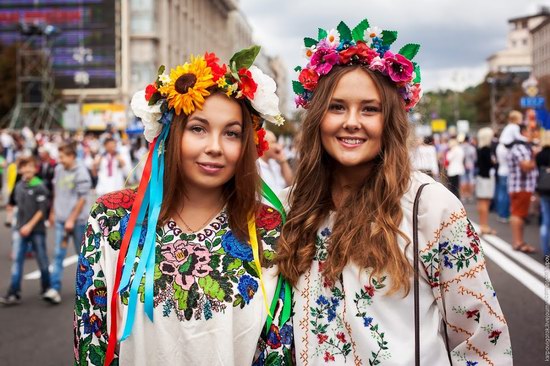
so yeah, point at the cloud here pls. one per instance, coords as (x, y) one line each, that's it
(456, 37)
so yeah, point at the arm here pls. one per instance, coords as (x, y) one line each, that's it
(457, 272)
(90, 311)
(286, 171)
(83, 185)
(40, 214)
(29, 226)
(527, 165)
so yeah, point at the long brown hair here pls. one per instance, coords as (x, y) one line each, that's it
(240, 192)
(366, 225)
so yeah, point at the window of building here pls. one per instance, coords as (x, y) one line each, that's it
(142, 16)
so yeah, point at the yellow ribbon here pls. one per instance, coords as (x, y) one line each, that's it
(255, 252)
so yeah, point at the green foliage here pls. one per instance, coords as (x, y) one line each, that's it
(345, 32)
(244, 58)
(358, 32)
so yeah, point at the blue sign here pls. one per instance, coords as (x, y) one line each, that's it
(532, 102)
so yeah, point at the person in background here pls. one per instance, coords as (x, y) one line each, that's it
(72, 185)
(485, 179)
(110, 168)
(502, 203)
(455, 166)
(424, 157)
(542, 160)
(467, 179)
(31, 199)
(512, 132)
(274, 168)
(522, 179)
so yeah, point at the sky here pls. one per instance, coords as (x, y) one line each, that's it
(456, 36)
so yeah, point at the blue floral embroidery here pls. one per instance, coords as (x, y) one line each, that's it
(247, 288)
(326, 232)
(235, 248)
(286, 334)
(84, 275)
(367, 321)
(447, 262)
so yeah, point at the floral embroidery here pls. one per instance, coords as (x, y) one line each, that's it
(493, 334)
(362, 301)
(196, 276)
(185, 262)
(470, 314)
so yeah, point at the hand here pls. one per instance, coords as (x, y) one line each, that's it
(25, 230)
(51, 219)
(279, 154)
(69, 226)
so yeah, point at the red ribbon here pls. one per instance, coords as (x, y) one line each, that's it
(111, 344)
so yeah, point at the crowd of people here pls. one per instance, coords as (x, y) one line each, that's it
(503, 170)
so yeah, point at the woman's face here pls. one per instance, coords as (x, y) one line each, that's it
(211, 143)
(351, 130)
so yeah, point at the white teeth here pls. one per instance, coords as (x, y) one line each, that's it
(352, 141)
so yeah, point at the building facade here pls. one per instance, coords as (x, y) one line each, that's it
(518, 54)
(541, 49)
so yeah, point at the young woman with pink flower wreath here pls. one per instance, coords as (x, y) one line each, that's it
(180, 270)
(385, 266)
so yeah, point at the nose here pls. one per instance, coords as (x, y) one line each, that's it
(213, 148)
(351, 122)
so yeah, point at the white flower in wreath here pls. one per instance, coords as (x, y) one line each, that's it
(149, 115)
(265, 101)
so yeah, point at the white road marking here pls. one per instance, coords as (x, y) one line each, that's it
(66, 262)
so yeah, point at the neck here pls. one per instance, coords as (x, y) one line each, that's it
(348, 179)
(202, 199)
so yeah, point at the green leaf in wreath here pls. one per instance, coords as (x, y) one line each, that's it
(297, 87)
(161, 69)
(409, 50)
(358, 32)
(345, 32)
(244, 58)
(321, 34)
(388, 37)
(308, 42)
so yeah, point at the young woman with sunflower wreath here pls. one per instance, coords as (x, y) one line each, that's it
(180, 270)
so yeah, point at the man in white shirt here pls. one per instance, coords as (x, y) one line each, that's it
(274, 167)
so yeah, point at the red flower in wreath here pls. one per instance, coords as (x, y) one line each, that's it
(268, 218)
(261, 144)
(149, 91)
(124, 199)
(308, 78)
(247, 85)
(212, 62)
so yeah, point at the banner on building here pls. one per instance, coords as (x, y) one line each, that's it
(439, 125)
(99, 116)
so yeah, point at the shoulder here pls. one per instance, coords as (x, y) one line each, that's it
(435, 199)
(123, 199)
(268, 218)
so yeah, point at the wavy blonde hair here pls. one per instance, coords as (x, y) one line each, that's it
(366, 225)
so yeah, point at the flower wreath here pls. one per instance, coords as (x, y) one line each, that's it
(364, 45)
(186, 87)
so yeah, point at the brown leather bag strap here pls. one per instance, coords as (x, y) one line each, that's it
(416, 280)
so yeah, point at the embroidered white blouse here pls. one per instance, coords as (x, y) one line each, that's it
(353, 322)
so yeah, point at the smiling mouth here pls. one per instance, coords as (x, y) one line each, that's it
(351, 141)
(211, 165)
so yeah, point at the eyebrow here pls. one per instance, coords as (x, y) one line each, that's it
(363, 101)
(205, 121)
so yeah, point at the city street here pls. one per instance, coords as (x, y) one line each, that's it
(37, 333)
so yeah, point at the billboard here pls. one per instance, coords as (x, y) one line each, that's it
(98, 116)
(84, 51)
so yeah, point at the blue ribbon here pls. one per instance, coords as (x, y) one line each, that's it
(146, 265)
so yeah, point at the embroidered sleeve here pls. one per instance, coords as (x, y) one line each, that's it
(455, 265)
(276, 345)
(90, 312)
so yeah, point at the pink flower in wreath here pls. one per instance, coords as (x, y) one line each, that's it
(324, 58)
(399, 68)
(377, 64)
(185, 262)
